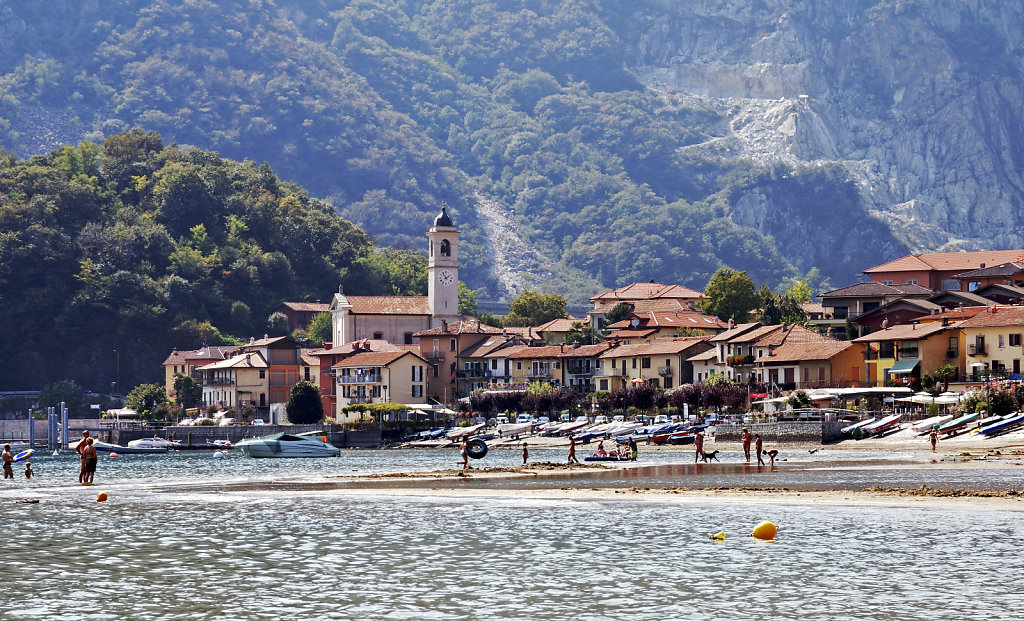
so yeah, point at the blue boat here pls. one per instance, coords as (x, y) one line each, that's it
(1002, 426)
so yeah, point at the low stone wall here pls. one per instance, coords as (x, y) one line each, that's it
(816, 432)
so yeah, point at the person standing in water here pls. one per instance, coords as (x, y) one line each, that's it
(572, 452)
(89, 460)
(745, 439)
(526, 454)
(8, 460)
(28, 470)
(80, 448)
(758, 448)
(698, 447)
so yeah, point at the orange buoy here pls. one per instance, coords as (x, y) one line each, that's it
(764, 531)
(101, 497)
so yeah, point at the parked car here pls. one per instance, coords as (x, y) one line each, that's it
(661, 419)
(598, 420)
(523, 418)
(501, 420)
(258, 421)
(618, 418)
(543, 419)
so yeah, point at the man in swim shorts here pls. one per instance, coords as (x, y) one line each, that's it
(759, 449)
(80, 448)
(89, 461)
(8, 460)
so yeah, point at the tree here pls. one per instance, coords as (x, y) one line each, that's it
(189, 392)
(467, 299)
(622, 310)
(304, 406)
(944, 373)
(277, 324)
(320, 329)
(534, 309)
(730, 295)
(64, 391)
(145, 397)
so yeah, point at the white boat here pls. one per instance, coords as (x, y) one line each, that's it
(514, 429)
(287, 445)
(154, 443)
(464, 431)
(927, 424)
(106, 447)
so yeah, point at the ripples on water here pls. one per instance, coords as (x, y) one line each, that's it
(177, 553)
(307, 556)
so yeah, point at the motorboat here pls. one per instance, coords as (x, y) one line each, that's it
(287, 445)
(925, 427)
(882, 425)
(154, 443)
(1002, 426)
(955, 425)
(465, 431)
(858, 425)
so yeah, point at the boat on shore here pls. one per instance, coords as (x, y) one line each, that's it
(464, 431)
(1002, 426)
(925, 427)
(955, 425)
(857, 425)
(513, 430)
(882, 425)
(282, 445)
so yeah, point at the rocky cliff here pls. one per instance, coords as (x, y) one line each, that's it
(921, 101)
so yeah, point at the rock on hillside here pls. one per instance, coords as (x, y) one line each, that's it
(922, 102)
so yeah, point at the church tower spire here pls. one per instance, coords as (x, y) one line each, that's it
(443, 269)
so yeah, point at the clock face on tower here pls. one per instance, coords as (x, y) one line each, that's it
(446, 278)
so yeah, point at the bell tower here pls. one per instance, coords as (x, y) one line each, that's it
(443, 269)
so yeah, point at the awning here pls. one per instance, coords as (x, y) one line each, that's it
(903, 367)
(978, 365)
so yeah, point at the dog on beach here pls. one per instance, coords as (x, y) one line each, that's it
(712, 455)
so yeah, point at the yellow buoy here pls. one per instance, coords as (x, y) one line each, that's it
(101, 497)
(765, 531)
(719, 536)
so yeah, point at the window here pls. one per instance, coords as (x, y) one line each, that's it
(307, 373)
(634, 363)
(263, 400)
(437, 350)
(437, 370)
(668, 362)
(646, 363)
(1002, 342)
(739, 377)
(604, 384)
(556, 365)
(263, 374)
(378, 336)
(668, 382)
(446, 248)
(417, 390)
(911, 281)
(519, 365)
(417, 373)
(494, 364)
(1015, 340)
(974, 284)
(408, 338)
(887, 282)
(451, 345)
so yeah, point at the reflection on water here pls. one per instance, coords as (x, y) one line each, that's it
(302, 555)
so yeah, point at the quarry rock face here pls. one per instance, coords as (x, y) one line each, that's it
(921, 103)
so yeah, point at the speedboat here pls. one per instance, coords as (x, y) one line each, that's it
(154, 443)
(106, 447)
(514, 429)
(287, 445)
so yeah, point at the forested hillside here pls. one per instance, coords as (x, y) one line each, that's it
(139, 247)
(385, 108)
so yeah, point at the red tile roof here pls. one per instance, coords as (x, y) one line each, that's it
(653, 348)
(673, 319)
(389, 304)
(648, 291)
(248, 360)
(948, 261)
(639, 333)
(956, 314)
(526, 332)
(551, 351)
(373, 359)
(906, 332)
(176, 357)
(737, 330)
(362, 344)
(799, 352)
(995, 316)
(309, 307)
(506, 352)
(561, 324)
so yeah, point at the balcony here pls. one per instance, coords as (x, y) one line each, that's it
(435, 356)
(977, 350)
(221, 381)
(579, 370)
(538, 373)
(663, 371)
(611, 372)
(739, 360)
(352, 400)
(373, 378)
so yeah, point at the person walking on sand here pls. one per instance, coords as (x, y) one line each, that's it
(758, 448)
(933, 437)
(526, 454)
(698, 447)
(464, 453)
(80, 448)
(572, 452)
(8, 460)
(745, 439)
(89, 459)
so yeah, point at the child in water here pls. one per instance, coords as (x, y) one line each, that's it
(28, 470)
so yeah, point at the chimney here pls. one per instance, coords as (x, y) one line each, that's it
(341, 289)
(934, 311)
(982, 266)
(444, 325)
(251, 340)
(945, 321)
(732, 323)
(266, 336)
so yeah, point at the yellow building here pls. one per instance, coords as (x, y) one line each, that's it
(994, 347)
(379, 377)
(237, 382)
(537, 364)
(664, 363)
(900, 354)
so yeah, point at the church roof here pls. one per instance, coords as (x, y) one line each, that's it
(389, 304)
(443, 219)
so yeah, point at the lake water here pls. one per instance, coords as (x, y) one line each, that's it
(174, 543)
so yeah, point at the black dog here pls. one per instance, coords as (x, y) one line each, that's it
(709, 456)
